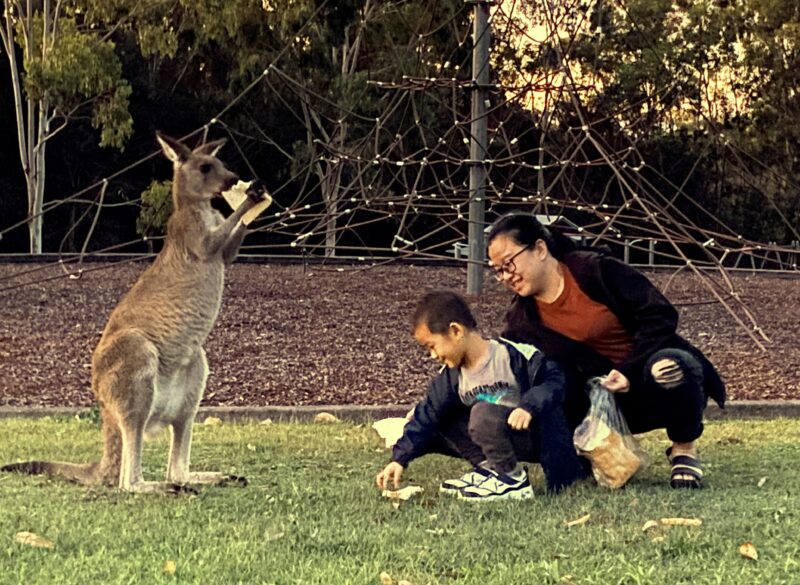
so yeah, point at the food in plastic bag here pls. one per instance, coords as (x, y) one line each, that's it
(605, 439)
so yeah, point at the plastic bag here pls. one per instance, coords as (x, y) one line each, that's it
(605, 439)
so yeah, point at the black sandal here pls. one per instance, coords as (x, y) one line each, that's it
(685, 465)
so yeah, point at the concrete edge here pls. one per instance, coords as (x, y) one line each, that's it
(739, 409)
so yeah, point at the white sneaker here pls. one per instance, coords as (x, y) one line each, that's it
(471, 478)
(499, 486)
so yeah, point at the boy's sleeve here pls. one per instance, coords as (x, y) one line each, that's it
(440, 397)
(546, 386)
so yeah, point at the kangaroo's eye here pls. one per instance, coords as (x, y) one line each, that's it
(205, 168)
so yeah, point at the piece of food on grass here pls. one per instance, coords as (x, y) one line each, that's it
(681, 521)
(403, 493)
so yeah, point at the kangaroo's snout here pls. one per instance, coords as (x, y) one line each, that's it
(230, 181)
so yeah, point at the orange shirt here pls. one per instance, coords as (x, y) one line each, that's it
(575, 315)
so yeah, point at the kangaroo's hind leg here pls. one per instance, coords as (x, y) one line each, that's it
(125, 372)
(194, 384)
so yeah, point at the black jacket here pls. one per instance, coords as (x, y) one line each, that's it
(647, 316)
(540, 379)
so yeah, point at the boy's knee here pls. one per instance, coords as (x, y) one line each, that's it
(485, 418)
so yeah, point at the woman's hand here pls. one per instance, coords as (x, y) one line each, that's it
(519, 419)
(393, 472)
(616, 381)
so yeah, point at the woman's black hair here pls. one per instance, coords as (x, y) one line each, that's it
(526, 230)
(439, 308)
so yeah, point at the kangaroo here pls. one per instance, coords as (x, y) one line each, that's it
(149, 369)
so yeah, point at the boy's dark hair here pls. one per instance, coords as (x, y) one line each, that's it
(437, 309)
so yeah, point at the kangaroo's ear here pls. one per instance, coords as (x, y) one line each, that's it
(211, 148)
(174, 150)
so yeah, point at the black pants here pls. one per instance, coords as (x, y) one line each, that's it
(481, 433)
(675, 406)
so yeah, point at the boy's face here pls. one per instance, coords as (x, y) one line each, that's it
(447, 348)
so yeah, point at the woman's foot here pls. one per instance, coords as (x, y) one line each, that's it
(686, 471)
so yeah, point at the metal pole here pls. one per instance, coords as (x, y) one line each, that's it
(477, 146)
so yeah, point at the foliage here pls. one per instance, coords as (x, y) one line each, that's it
(80, 70)
(156, 209)
(680, 79)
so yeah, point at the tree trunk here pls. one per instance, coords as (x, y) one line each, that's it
(31, 116)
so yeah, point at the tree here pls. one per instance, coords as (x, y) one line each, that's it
(60, 71)
(707, 90)
(342, 49)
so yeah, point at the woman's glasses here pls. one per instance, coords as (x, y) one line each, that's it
(508, 267)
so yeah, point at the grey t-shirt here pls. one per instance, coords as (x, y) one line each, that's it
(490, 381)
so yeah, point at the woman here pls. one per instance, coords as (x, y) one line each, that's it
(588, 309)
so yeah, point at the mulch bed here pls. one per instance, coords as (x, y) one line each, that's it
(294, 335)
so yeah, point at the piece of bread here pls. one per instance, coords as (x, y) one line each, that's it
(237, 194)
(613, 462)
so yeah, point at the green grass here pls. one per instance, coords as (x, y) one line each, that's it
(312, 514)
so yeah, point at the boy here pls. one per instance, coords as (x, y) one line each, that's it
(490, 404)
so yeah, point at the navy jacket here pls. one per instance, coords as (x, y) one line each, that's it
(540, 379)
(647, 316)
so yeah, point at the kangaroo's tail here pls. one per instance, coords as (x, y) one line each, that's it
(80, 473)
(103, 472)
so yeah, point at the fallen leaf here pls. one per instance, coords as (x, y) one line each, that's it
(681, 521)
(748, 551)
(386, 578)
(325, 417)
(403, 582)
(657, 539)
(762, 481)
(212, 421)
(403, 493)
(578, 521)
(170, 567)
(32, 539)
(649, 524)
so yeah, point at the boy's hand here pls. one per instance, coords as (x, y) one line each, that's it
(519, 419)
(393, 472)
(616, 381)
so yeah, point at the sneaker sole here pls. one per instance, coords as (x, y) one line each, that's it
(455, 489)
(522, 494)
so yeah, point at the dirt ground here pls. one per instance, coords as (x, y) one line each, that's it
(294, 335)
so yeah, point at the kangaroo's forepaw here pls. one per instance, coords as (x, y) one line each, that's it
(256, 191)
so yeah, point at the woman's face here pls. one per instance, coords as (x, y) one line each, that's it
(520, 268)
